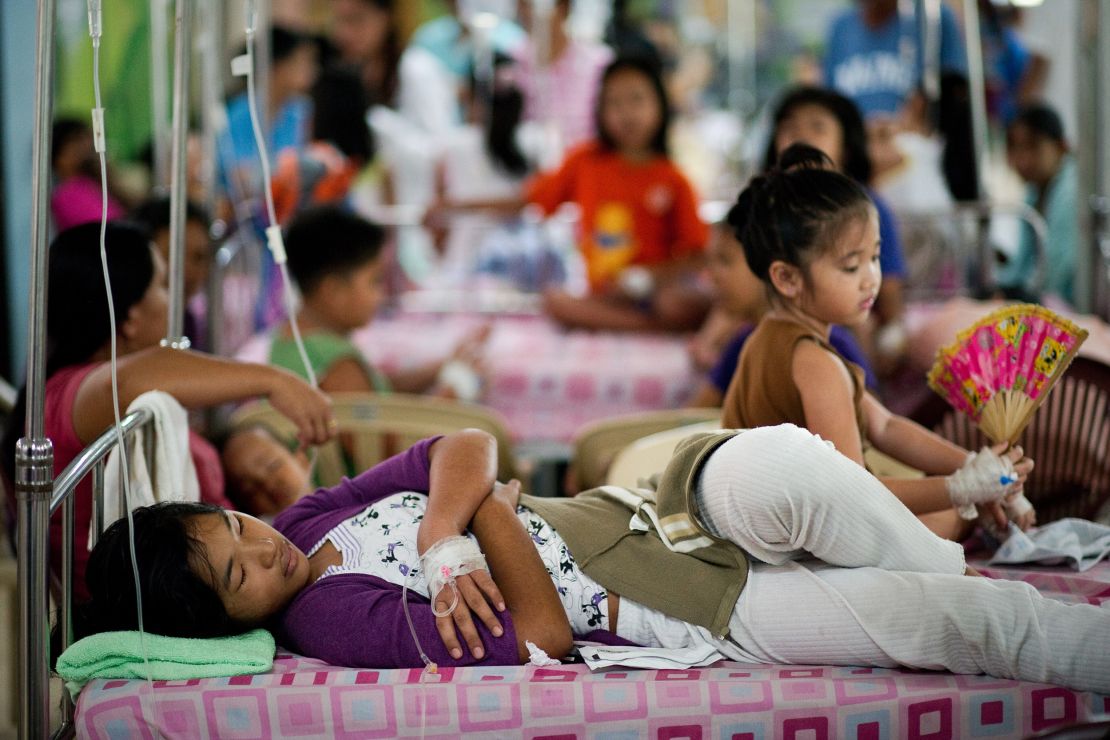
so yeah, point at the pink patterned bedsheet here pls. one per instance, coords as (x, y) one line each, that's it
(302, 697)
(545, 381)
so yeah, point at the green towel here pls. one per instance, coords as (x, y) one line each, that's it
(120, 655)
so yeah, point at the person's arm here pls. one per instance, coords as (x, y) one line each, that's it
(462, 473)
(357, 620)
(346, 376)
(909, 442)
(916, 446)
(1031, 86)
(537, 613)
(549, 190)
(828, 403)
(826, 390)
(462, 468)
(198, 380)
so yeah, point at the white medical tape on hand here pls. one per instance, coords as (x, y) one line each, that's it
(445, 561)
(984, 477)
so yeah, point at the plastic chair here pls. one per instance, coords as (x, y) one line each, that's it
(649, 455)
(596, 445)
(373, 427)
(1068, 440)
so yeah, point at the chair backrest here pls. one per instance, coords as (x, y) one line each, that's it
(374, 426)
(649, 455)
(597, 443)
(1068, 441)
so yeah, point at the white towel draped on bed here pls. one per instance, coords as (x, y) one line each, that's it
(174, 478)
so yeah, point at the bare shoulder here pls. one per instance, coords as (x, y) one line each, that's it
(814, 366)
(346, 375)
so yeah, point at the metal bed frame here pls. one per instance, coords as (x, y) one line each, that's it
(975, 255)
(92, 460)
(38, 495)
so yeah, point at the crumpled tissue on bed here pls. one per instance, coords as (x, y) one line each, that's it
(1077, 542)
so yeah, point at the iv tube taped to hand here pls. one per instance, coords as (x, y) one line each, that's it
(443, 562)
(984, 477)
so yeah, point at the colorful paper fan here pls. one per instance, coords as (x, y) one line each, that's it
(1000, 369)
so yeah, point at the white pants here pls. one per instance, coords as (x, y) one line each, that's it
(888, 592)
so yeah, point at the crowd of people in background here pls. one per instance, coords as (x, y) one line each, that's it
(407, 155)
(477, 129)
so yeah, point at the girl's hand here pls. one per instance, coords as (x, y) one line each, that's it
(1023, 466)
(992, 516)
(509, 493)
(472, 346)
(477, 594)
(1020, 511)
(477, 590)
(308, 409)
(989, 475)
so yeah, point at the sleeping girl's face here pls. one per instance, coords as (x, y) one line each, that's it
(254, 570)
(268, 477)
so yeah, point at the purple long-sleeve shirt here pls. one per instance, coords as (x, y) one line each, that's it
(353, 619)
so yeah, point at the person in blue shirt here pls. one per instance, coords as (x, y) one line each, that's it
(1014, 74)
(875, 54)
(832, 123)
(1038, 151)
(293, 72)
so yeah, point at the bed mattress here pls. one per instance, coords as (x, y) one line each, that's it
(302, 697)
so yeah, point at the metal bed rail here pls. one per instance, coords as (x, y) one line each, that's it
(928, 236)
(35, 636)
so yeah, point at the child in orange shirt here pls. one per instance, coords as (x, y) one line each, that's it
(640, 232)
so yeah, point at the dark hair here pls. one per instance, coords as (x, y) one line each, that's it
(1042, 121)
(626, 36)
(329, 240)
(856, 162)
(954, 124)
(649, 69)
(387, 91)
(77, 322)
(284, 42)
(339, 113)
(176, 601)
(792, 209)
(503, 103)
(154, 215)
(63, 132)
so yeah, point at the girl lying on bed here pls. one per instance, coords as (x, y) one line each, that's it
(744, 548)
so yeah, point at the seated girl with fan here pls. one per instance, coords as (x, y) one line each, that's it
(743, 524)
(811, 235)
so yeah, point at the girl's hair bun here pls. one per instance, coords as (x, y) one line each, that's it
(788, 213)
(802, 157)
